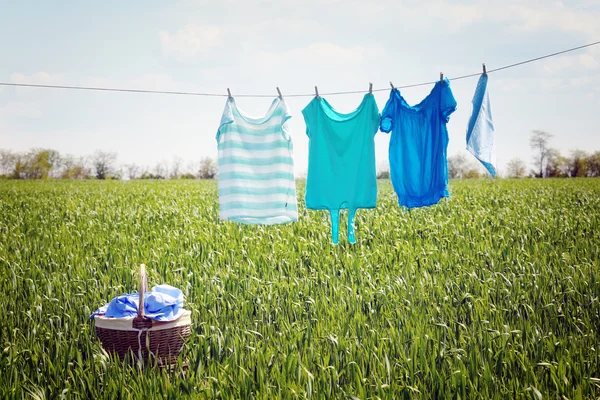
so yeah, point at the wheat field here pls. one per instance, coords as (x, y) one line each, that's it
(493, 293)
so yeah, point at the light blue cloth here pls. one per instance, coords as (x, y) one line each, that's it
(480, 132)
(418, 146)
(256, 166)
(341, 160)
(162, 303)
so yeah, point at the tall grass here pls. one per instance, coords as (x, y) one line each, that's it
(493, 293)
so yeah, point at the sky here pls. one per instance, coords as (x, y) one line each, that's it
(253, 46)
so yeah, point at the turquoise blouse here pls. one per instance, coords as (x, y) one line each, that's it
(341, 160)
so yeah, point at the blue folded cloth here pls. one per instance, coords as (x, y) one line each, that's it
(162, 303)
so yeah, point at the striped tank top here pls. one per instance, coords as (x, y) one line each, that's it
(256, 167)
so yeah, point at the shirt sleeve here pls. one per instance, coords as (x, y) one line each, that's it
(286, 114)
(226, 118)
(307, 113)
(376, 116)
(447, 101)
(386, 124)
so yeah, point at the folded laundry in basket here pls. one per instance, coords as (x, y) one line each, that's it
(162, 303)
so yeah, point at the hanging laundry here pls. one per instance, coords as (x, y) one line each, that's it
(417, 152)
(256, 167)
(341, 160)
(480, 131)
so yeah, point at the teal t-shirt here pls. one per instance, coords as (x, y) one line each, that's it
(341, 159)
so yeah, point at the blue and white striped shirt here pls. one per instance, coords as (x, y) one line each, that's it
(256, 167)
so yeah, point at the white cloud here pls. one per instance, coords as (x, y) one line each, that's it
(153, 81)
(38, 78)
(41, 77)
(531, 16)
(100, 81)
(555, 15)
(20, 109)
(149, 81)
(577, 63)
(515, 15)
(190, 40)
(513, 86)
(589, 61)
(321, 53)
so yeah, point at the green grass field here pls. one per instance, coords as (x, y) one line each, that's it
(493, 293)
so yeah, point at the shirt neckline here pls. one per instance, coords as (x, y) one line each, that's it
(341, 117)
(256, 120)
(421, 104)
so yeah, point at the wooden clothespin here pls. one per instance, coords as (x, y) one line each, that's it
(392, 85)
(441, 76)
(484, 70)
(279, 91)
(317, 93)
(229, 94)
(370, 88)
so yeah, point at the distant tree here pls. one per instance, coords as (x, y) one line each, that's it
(7, 162)
(55, 159)
(160, 171)
(116, 174)
(132, 171)
(516, 168)
(74, 168)
(66, 163)
(176, 168)
(457, 165)
(144, 172)
(192, 168)
(20, 167)
(383, 174)
(384, 170)
(472, 173)
(104, 163)
(39, 163)
(187, 175)
(557, 166)
(78, 171)
(594, 164)
(578, 163)
(208, 168)
(540, 143)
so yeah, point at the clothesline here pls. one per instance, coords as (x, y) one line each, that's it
(105, 89)
(256, 164)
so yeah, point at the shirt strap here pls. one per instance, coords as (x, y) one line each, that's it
(335, 225)
(351, 215)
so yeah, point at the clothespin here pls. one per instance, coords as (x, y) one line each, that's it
(229, 94)
(484, 70)
(441, 77)
(370, 88)
(279, 91)
(317, 92)
(392, 85)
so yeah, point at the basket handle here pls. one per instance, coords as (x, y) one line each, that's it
(143, 288)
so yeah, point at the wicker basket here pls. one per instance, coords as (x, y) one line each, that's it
(143, 336)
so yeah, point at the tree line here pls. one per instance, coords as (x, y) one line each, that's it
(548, 162)
(48, 163)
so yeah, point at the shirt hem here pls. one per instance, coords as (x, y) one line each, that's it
(274, 220)
(345, 207)
(424, 200)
